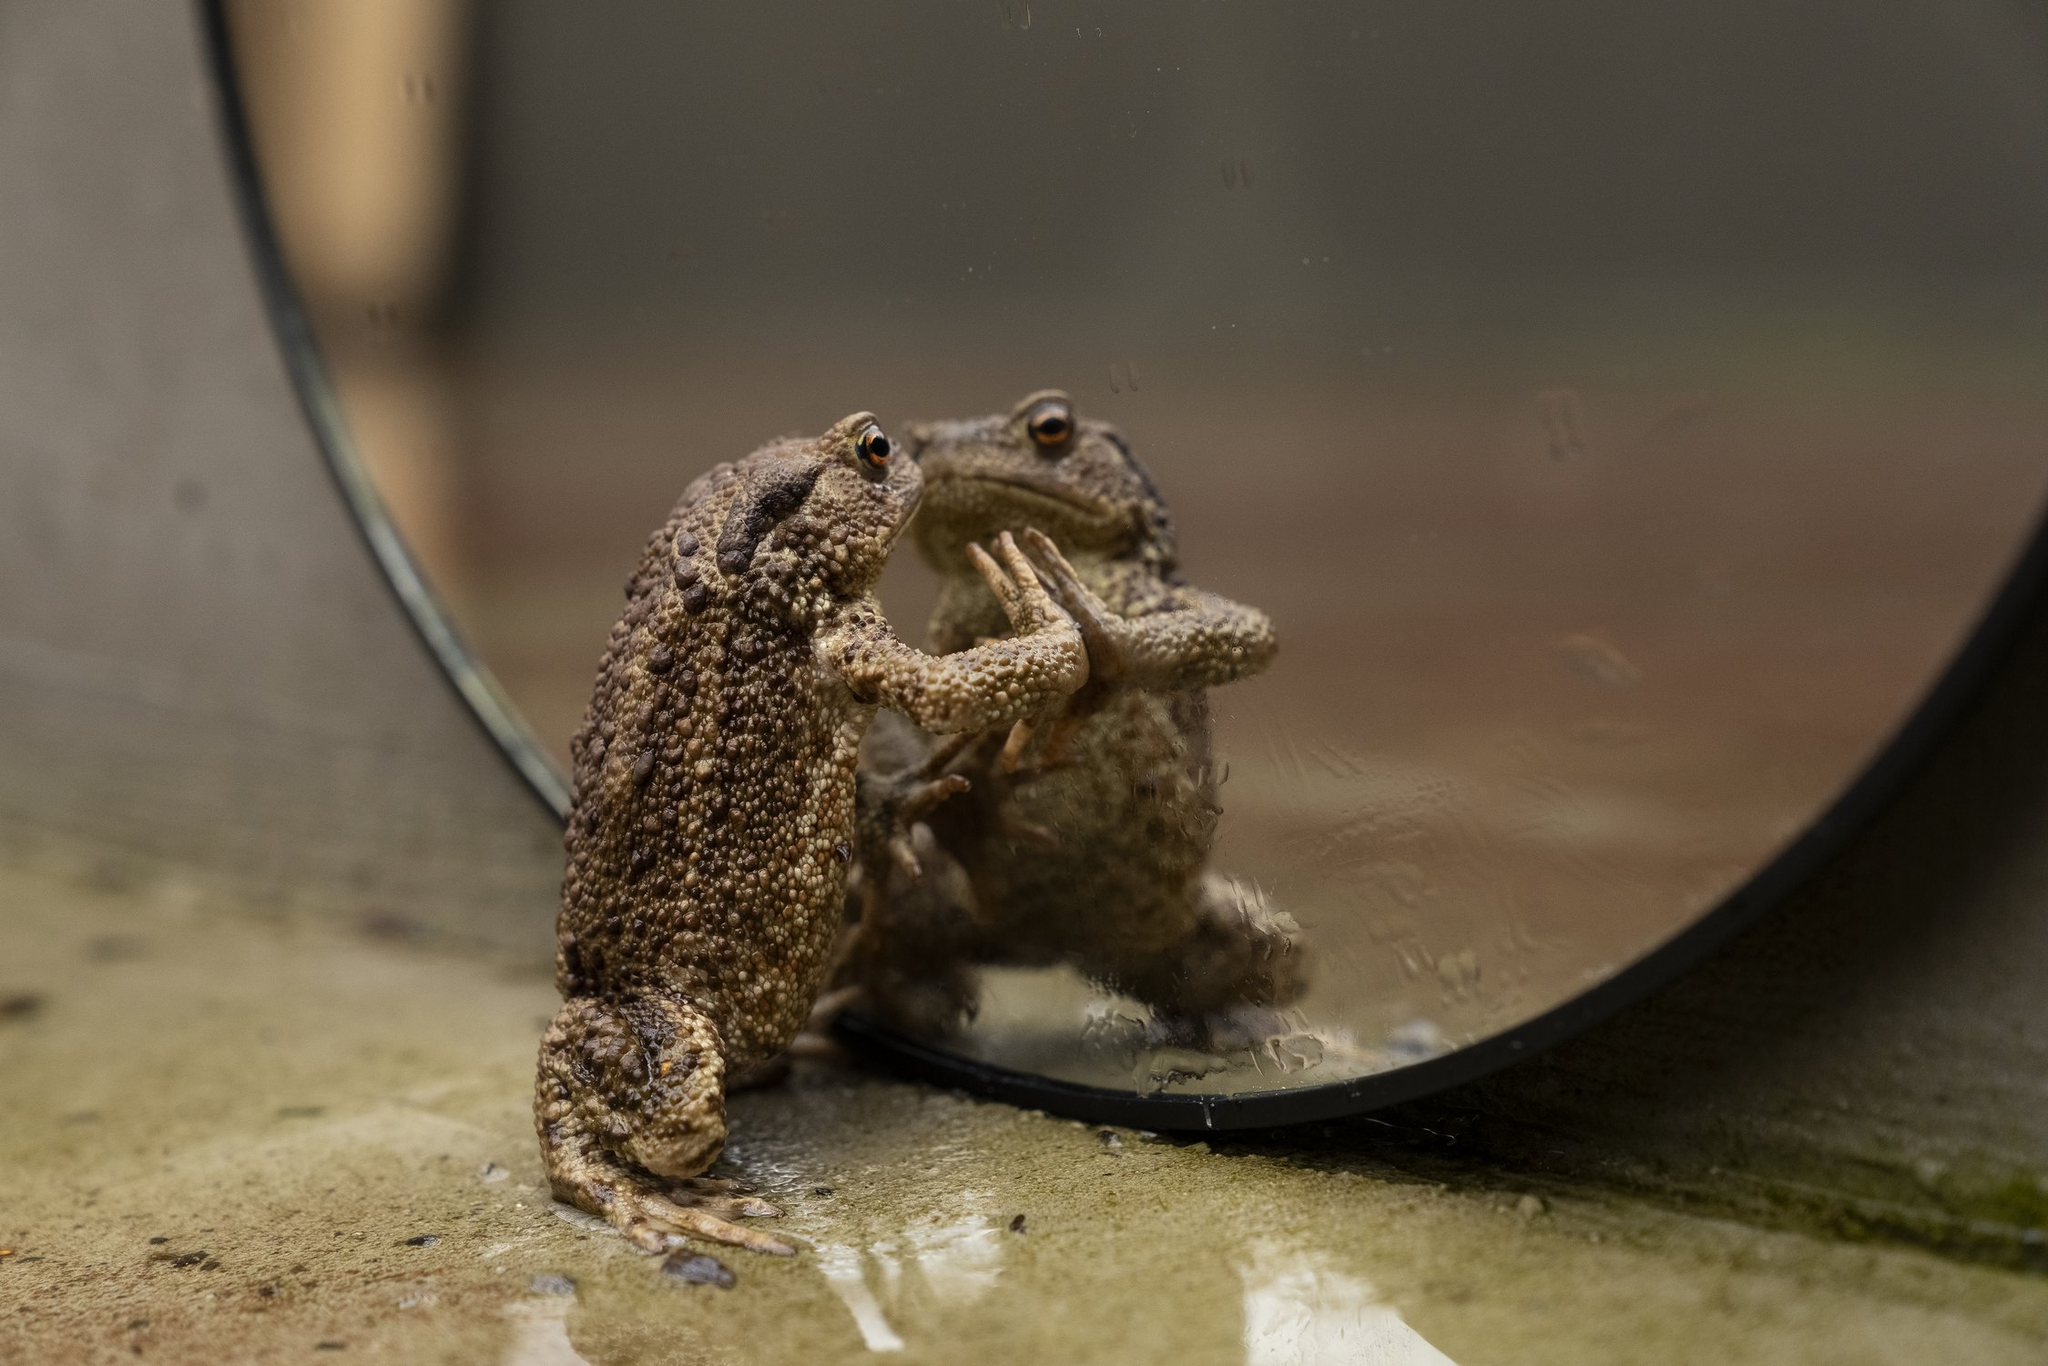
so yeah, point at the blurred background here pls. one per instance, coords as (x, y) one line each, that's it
(1624, 411)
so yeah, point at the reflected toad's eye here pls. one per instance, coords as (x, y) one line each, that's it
(1050, 424)
(873, 447)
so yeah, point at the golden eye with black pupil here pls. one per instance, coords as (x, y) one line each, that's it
(1050, 424)
(873, 447)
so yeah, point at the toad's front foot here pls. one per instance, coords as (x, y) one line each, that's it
(887, 808)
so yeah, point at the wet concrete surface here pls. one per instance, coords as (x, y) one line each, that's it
(226, 1135)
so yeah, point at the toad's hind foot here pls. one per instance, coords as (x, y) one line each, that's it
(630, 1107)
(648, 1210)
(650, 1215)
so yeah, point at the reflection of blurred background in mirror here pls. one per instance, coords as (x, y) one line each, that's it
(357, 110)
(1622, 410)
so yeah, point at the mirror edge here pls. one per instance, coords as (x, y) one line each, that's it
(482, 696)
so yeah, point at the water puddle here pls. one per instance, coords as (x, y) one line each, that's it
(950, 1262)
(540, 1333)
(843, 1272)
(1299, 1311)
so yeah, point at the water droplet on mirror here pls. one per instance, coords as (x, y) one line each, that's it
(1416, 1040)
(1596, 659)
(1563, 415)
(1459, 974)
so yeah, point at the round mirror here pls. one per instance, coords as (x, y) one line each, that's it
(1622, 415)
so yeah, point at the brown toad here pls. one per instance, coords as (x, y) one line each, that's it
(1094, 851)
(712, 821)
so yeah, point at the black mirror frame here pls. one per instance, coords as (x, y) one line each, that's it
(2024, 592)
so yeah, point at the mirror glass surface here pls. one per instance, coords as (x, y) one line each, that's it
(1623, 413)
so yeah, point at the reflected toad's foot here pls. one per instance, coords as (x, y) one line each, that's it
(916, 974)
(1261, 1032)
(887, 810)
(1237, 954)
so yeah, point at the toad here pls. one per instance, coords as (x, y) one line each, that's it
(1085, 840)
(711, 825)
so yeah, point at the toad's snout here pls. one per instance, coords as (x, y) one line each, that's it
(927, 439)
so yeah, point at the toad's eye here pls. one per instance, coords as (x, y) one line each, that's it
(1050, 424)
(873, 447)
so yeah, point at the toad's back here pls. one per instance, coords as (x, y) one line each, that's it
(713, 781)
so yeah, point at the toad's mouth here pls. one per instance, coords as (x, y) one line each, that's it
(910, 512)
(1051, 493)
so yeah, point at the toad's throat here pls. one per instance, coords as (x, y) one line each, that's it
(909, 514)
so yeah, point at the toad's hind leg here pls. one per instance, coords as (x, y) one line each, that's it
(1235, 951)
(630, 1104)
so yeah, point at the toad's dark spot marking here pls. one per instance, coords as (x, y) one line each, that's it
(1017, 1224)
(423, 1240)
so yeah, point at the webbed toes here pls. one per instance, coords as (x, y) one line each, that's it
(734, 1206)
(690, 1221)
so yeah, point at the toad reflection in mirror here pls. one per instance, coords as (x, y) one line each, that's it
(1083, 840)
